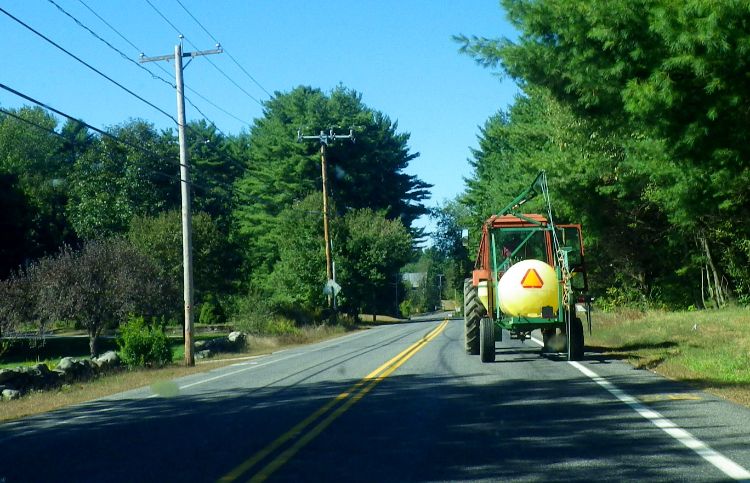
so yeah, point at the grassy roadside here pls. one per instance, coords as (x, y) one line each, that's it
(708, 349)
(40, 402)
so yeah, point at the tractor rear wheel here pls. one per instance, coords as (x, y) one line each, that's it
(547, 335)
(487, 336)
(473, 312)
(575, 340)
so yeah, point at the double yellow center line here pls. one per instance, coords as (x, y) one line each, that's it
(325, 415)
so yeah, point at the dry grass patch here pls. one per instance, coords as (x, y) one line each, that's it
(708, 349)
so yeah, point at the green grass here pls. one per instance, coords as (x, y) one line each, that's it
(708, 349)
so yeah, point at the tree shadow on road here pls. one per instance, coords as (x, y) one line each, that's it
(407, 428)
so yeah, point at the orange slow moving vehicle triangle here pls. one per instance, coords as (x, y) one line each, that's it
(532, 279)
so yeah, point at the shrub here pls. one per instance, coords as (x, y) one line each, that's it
(405, 308)
(211, 312)
(143, 345)
(253, 315)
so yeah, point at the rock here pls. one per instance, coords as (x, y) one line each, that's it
(75, 369)
(236, 337)
(65, 364)
(108, 359)
(11, 394)
(199, 345)
(204, 354)
(43, 369)
(7, 375)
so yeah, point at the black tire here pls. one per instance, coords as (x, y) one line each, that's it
(575, 340)
(487, 336)
(473, 313)
(547, 334)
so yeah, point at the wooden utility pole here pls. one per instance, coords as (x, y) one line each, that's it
(187, 237)
(324, 139)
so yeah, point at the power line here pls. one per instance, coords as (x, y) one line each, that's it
(209, 60)
(122, 54)
(80, 24)
(160, 67)
(52, 131)
(102, 74)
(138, 49)
(236, 118)
(232, 189)
(225, 49)
(84, 123)
(108, 25)
(164, 17)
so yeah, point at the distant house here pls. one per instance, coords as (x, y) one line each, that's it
(414, 279)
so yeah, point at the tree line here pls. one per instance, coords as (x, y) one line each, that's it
(637, 110)
(91, 224)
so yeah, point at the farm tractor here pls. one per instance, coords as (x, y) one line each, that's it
(529, 274)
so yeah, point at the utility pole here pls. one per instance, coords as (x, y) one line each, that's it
(187, 237)
(440, 289)
(324, 139)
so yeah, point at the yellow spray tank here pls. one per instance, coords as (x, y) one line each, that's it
(526, 287)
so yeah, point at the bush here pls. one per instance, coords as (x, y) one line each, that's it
(211, 312)
(143, 345)
(405, 308)
(253, 315)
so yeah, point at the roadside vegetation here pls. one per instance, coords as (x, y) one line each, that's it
(708, 349)
(631, 106)
(156, 377)
(92, 234)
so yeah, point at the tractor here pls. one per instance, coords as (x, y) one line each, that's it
(529, 274)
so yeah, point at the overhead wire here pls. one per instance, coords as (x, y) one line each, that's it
(102, 74)
(232, 189)
(123, 55)
(101, 39)
(84, 123)
(179, 32)
(225, 49)
(140, 51)
(62, 136)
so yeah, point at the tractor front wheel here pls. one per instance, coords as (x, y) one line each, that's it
(487, 336)
(473, 312)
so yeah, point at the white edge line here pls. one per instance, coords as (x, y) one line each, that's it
(104, 410)
(724, 464)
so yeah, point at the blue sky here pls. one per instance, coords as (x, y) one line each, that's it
(397, 53)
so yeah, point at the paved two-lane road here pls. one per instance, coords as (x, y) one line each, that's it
(393, 403)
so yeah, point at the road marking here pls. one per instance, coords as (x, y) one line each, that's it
(348, 397)
(49, 425)
(297, 354)
(721, 462)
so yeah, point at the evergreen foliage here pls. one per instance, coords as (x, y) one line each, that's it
(281, 171)
(634, 108)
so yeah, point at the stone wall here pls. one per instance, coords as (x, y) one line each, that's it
(18, 381)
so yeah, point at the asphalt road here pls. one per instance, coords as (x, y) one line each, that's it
(393, 403)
